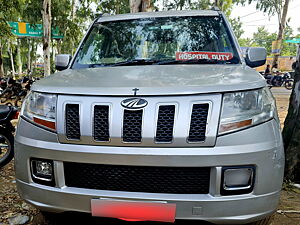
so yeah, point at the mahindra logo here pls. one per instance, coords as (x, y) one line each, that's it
(134, 103)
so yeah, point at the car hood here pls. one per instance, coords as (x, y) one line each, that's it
(152, 80)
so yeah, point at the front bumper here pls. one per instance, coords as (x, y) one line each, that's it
(260, 146)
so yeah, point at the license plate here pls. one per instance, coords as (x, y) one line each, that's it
(134, 210)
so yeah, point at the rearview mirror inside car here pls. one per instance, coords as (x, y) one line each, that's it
(62, 61)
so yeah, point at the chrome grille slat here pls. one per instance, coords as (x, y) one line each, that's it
(72, 122)
(101, 123)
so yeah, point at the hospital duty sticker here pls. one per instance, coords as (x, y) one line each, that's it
(223, 56)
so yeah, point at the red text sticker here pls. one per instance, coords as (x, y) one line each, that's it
(204, 55)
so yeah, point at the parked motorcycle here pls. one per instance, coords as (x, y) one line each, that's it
(15, 92)
(7, 113)
(280, 80)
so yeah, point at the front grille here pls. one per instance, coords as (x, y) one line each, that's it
(175, 180)
(198, 123)
(165, 123)
(132, 125)
(72, 122)
(173, 121)
(101, 123)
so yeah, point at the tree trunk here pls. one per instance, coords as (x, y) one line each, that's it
(59, 46)
(73, 14)
(46, 12)
(282, 24)
(146, 6)
(19, 59)
(1, 61)
(135, 6)
(291, 131)
(33, 57)
(140, 6)
(29, 57)
(11, 59)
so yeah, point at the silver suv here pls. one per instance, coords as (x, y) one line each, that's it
(158, 117)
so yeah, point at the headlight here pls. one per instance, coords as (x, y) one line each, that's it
(40, 108)
(247, 108)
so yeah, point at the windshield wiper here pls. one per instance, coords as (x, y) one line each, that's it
(192, 61)
(97, 65)
(132, 62)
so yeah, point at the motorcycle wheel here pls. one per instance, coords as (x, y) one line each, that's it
(6, 147)
(289, 84)
(5, 97)
(18, 101)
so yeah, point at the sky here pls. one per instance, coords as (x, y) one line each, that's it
(252, 18)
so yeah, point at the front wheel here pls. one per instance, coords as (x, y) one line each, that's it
(6, 147)
(289, 84)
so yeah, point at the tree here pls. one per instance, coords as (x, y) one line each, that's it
(282, 16)
(7, 10)
(272, 7)
(262, 38)
(288, 49)
(113, 6)
(46, 12)
(291, 130)
(140, 6)
(236, 25)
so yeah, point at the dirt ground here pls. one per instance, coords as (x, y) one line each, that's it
(11, 205)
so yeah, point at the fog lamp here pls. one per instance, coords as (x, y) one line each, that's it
(237, 180)
(42, 171)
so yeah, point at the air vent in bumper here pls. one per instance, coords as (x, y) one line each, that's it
(175, 180)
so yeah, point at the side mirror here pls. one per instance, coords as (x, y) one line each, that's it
(62, 61)
(256, 57)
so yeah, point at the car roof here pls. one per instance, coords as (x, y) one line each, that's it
(143, 15)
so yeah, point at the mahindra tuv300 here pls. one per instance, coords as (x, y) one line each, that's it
(158, 116)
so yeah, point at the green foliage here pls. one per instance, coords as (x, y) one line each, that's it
(288, 49)
(8, 10)
(224, 5)
(113, 6)
(262, 38)
(271, 7)
(236, 25)
(245, 42)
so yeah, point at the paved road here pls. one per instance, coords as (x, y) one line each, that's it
(280, 91)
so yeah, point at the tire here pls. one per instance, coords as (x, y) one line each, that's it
(289, 84)
(18, 101)
(6, 147)
(265, 221)
(50, 218)
(6, 95)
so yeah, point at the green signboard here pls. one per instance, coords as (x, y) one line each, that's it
(295, 41)
(29, 30)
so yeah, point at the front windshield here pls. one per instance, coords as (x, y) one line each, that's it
(157, 40)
